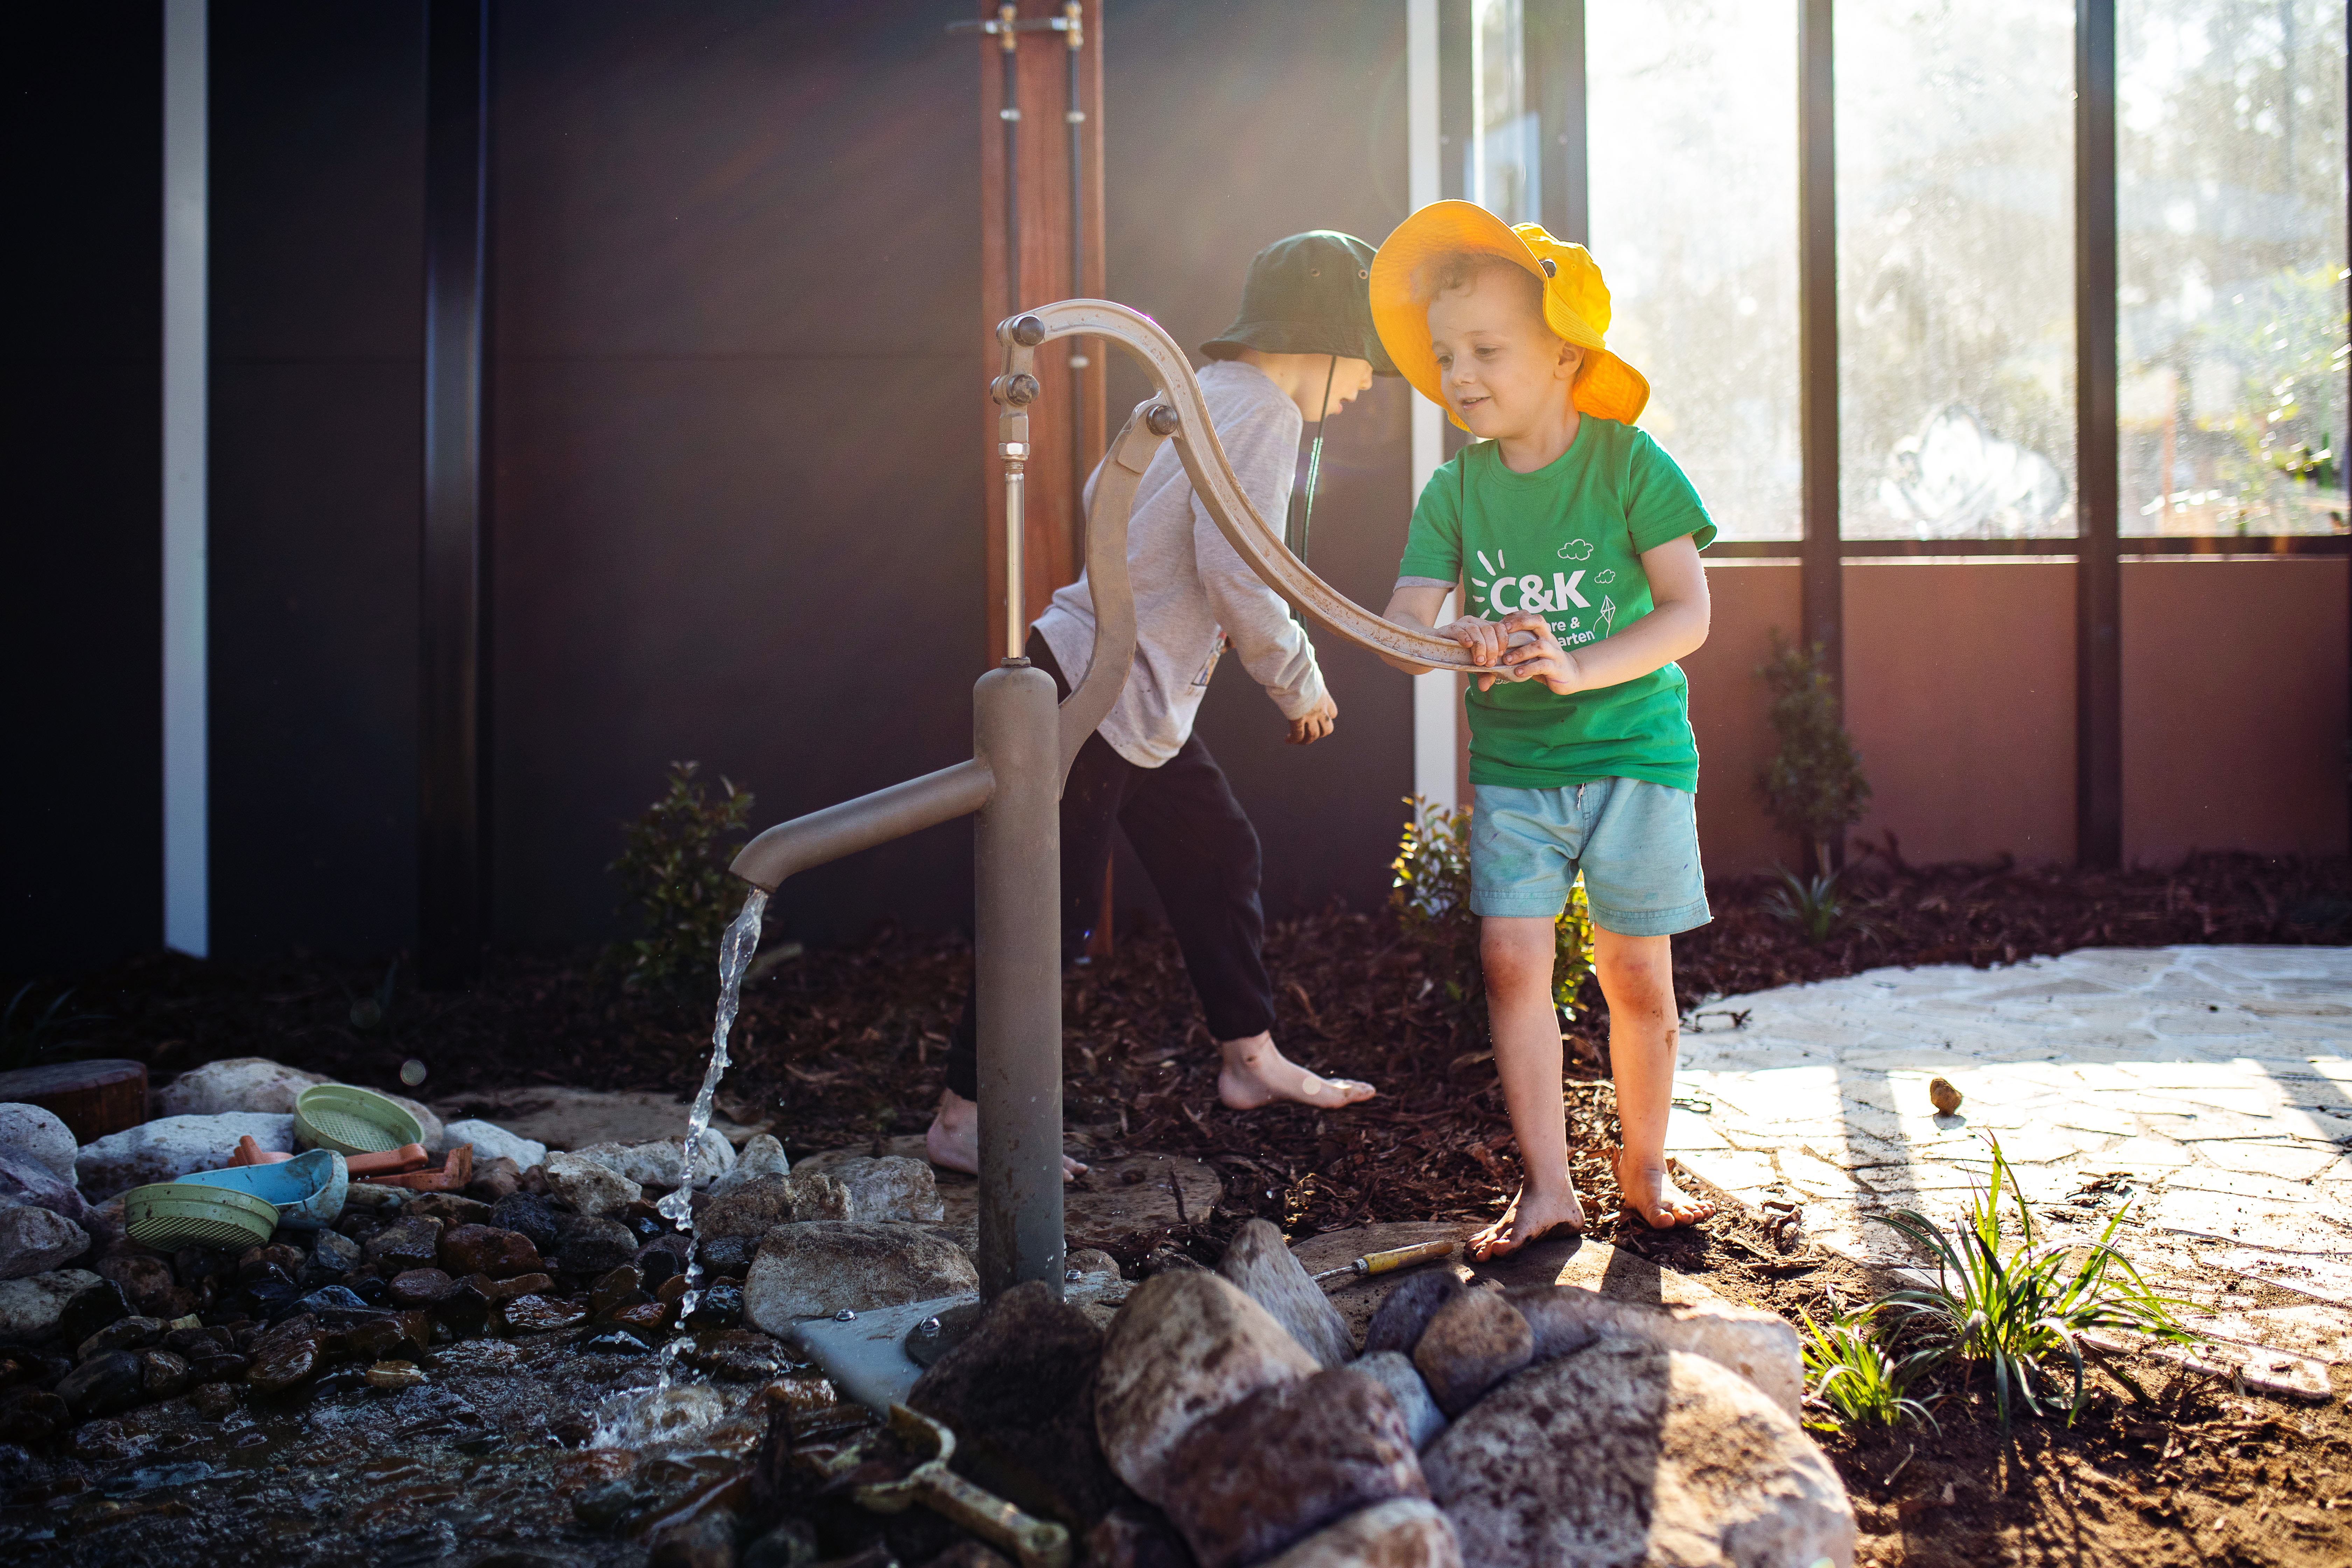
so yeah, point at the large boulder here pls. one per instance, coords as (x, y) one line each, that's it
(34, 1133)
(1260, 1262)
(662, 1162)
(1408, 1532)
(757, 1206)
(590, 1187)
(1278, 1464)
(1017, 1392)
(892, 1187)
(1187, 1344)
(760, 1156)
(37, 1241)
(824, 1266)
(30, 1308)
(1760, 1346)
(235, 1083)
(1622, 1453)
(170, 1147)
(492, 1141)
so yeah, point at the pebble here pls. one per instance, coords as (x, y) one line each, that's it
(539, 1314)
(738, 1355)
(1187, 1344)
(483, 1250)
(396, 1374)
(147, 1281)
(162, 1373)
(1944, 1095)
(38, 1241)
(450, 1209)
(332, 1255)
(1260, 1262)
(1472, 1343)
(817, 1270)
(1621, 1453)
(288, 1261)
(586, 1246)
(721, 1306)
(403, 1245)
(421, 1286)
(104, 1385)
(213, 1401)
(1246, 1481)
(35, 1133)
(616, 1289)
(725, 1256)
(91, 1302)
(760, 1156)
(617, 1341)
(286, 1359)
(589, 1188)
(122, 1334)
(32, 1415)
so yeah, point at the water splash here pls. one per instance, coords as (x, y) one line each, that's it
(735, 950)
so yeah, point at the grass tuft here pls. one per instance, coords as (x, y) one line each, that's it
(1851, 1373)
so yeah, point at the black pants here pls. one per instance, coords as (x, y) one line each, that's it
(1201, 853)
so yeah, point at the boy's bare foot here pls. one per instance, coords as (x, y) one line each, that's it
(1257, 1073)
(1529, 1218)
(953, 1142)
(1651, 1192)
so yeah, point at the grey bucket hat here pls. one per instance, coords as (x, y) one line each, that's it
(1309, 294)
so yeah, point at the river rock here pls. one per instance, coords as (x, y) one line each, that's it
(662, 1163)
(235, 1083)
(289, 1356)
(1244, 1482)
(1622, 1453)
(758, 1205)
(892, 1187)
(333, 1256)
(824, 1266)
(485, 1250)
(34, 1133)
(492, 1141)
(1404, 1533)
(449, 1208)
(585, 1245)
(163, 1374)
(169, 1148)
(532, 1216)
(1260, 1262)
(1187, 1344)
(38, 1241)
(1472, 1343)
(147, 1281)
(588, 1186)
(98, 1301)
(760, 1156)
(1398, 1324)
(539, 1314)
(403, 1245)
(30, 1307)
(104, 1385)
(1423, 1420)
(135, 1333)
(726, 1257)
(1013, 1392)
(414, 1288)
(25, 1180)
(1759, 1346)
(32, 1415)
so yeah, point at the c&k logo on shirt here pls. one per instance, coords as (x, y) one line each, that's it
(1506, 595)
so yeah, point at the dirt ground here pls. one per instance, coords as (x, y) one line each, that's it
(841, 1044)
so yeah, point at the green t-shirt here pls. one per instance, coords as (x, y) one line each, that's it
(1567, 539)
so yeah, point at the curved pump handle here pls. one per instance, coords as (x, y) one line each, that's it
(1213, 481)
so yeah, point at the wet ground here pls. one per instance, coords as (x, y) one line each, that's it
(513, 1451)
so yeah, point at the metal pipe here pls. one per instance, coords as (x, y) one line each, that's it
(1017, 945)
(1016, 620)
(791, 848)
(1073, 36)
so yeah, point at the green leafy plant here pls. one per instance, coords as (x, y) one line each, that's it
(1431, 895)
(1814, 788)
(2020, 1313)
(1812, 904)
(1849, 1372)
(675, 886)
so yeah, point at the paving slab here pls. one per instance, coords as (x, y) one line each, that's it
(2213, 1084)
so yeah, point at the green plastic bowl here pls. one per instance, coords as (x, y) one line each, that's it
(352, 1120)
(168, 1215)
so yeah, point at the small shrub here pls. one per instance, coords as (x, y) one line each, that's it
(1814, 787)
(2018, 1317)
(1851, 1373)
(675, 886)
(1431, 896)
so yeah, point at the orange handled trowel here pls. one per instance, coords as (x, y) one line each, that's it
(1389, 1262)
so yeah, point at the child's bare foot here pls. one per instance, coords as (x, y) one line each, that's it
(1257, 1073)
(953, 1142)
(1651, 1192)
(1529, 1218)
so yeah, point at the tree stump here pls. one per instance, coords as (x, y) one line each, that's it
(93, 1099)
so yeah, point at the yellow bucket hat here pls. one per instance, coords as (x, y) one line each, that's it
(1575, 301)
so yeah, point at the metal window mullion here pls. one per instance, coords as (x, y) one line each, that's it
(1555, 55)
(1823, 600)
(2098, 582)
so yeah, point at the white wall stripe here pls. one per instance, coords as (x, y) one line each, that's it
(187, 901)
(1436, 697)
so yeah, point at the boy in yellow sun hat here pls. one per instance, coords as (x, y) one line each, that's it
(1577, 541)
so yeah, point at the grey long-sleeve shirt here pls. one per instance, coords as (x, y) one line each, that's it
(1191, 591)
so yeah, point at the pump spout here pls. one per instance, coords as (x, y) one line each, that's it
(861, 824)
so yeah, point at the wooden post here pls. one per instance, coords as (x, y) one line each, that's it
(1823, 611)
(2099, 571)
(1067, 428)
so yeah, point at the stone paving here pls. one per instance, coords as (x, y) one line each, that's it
(2212, 1087)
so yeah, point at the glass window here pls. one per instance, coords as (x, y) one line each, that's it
(1955, 269)
(2230, 296)
(1693, 117)
(1503, 169)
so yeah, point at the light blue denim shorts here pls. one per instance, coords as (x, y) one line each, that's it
(1636, 843)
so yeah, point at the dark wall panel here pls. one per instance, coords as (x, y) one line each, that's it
(737, 435)
(80, 557)
(1228, 125)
